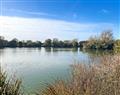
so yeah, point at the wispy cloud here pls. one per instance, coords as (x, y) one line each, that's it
(29, 12)
(104, 11)
(41, 29)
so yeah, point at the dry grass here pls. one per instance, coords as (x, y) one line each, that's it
(94, 79)
(9, 87)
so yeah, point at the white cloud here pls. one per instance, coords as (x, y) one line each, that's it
(41, 29)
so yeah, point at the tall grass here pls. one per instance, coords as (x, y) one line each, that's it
(94, 79)
(9, 86)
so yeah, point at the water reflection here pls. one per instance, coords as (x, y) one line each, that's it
(65, 49)
(98, 52)
(48, 49)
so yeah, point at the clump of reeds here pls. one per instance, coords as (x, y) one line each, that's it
(94, 79)
(9, 86)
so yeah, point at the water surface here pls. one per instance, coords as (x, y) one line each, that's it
(37, 66)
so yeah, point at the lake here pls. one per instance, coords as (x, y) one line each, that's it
(38, 66)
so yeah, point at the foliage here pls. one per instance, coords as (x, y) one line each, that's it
(117, 43)
(16, 43)
(117, 46)
(3, 42)
(48, 43)
(104, 41)
(13, 43)
(75, 43)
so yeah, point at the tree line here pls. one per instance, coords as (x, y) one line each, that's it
(29, 43)
(104, 41)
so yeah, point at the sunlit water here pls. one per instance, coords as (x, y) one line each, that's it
(38, 66)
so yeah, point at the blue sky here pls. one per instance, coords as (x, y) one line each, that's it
(63, 19)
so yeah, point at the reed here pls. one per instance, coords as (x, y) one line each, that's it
(10, 86)
(93, 79)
